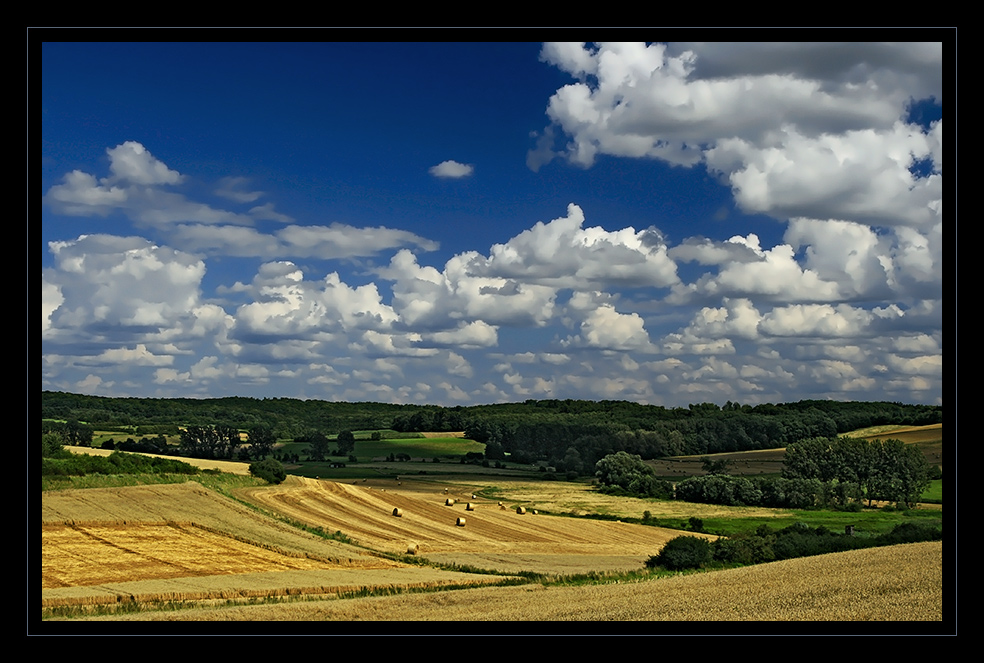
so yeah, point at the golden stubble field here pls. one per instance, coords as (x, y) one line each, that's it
(185, 543)
(492, 536)
(896, 583)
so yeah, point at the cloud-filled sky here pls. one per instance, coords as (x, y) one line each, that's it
(464, 223)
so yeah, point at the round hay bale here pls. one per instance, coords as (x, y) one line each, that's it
(473, 495)
(412, 548)
(449, 502)
(534, 512)
(520, 509)
(502, 507)
(469, 507)
(460, 522)
(398, 512)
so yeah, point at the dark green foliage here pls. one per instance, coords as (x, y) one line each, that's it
(911, 533)
(527, 432)
(51, 446)
(683, 552)
(346, 442)
(631, 476)
(719, 489)
(209, 441)
(270, 470)
(319, 446)
(751, 549)
(261, 440)
(156, 445)
(880, 470)
(800, 540)
(71, 432)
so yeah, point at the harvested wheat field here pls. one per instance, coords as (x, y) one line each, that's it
(184, 542)
(490, 537)
(903, 582)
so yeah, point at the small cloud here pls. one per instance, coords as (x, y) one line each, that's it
(451, 169)
(235, 188)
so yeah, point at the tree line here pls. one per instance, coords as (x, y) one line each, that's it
(836, 472)
(571, 435)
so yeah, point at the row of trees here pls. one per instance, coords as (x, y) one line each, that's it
(226, 442)
(71, 432)
(882, 469)
(837, 471)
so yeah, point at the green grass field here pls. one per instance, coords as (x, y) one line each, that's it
(427, 448)
(867, 522)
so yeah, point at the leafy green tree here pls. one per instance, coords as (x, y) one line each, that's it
(261, 440)
(631, 474)
(621, 469)
(901, 472)
(572, 461)
(78, 434)
(319, 446)
(51, 446)
(209, 441)
(346, 442)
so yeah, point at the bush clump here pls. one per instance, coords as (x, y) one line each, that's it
(683, 552)
(270, 470)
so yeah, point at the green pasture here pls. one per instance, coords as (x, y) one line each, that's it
(417, 447)
(867, 522)
(934, 494)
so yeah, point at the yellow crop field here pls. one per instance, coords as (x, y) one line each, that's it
(181, 543)
(492, 537)
(902, 582)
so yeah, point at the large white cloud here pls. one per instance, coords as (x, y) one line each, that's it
(287, 305)
(564, 254)
(796, 129)
(109, 282)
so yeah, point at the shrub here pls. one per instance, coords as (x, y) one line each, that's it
(683, 552)
(51, 446)
(270, 470)
(744, 549)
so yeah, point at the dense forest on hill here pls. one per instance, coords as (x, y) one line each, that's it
(566, 433)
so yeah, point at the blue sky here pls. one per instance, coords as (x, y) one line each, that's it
(462, 223)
